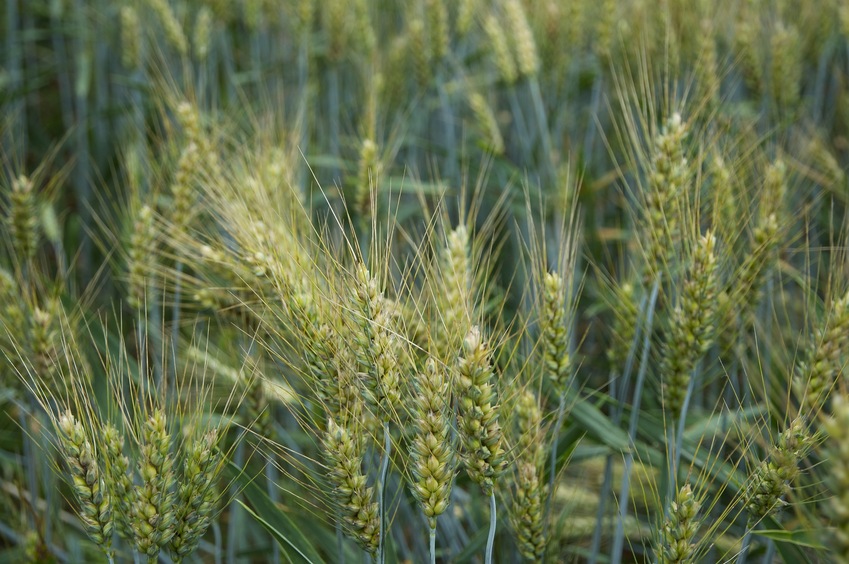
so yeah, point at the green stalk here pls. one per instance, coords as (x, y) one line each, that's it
(175, 318)
(216, 533)
(561, 412)
(303, 68)
(448, 138)
(744, 550)
(381, 487)
(271, 477)
(490, 540)
(679, 441)
(521, 128)
(432, 535)
(233, 527)
(340, 546)
(542, 125)
(17, 108)
(82, 169)
(619, 537)
(619, 395)
(333, 119)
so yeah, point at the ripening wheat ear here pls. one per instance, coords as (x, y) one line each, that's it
(822, 362)
(477, 421)
(355, 499)
(432, 449)
(117, 467)
(376, 345)
(553, 326)
(501, 54)
(197, 494)
(667, 179)
(530, 491)
(142, 252)
(693, 325)
(152, 513)
(480, 431)
(679, 530)
(23, 218)
(773, 478)
(93, 497)
(171, 27)
(455, 296)
(837, 428)
(367, 179)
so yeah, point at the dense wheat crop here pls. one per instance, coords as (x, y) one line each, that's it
(424, 281)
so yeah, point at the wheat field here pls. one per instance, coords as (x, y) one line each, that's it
(482, 281)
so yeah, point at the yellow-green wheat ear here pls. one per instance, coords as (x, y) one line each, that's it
(120, 481)
(23, 218)
(141, 254)
(173, 31)
(526, 516)
(89, 486)
(679, 529)
(376, 345)
(432, 449)
(197, 494)
(501, 54)
(667, 179)
(624, 325)
(693, 325)
(477, 420)
(152, 514)
(553, 324)
(821, 364)
(455, 298)
(131, 38)
(837, 427)
(367, 179)
(523, 38)
(354, 498)
(772, 480)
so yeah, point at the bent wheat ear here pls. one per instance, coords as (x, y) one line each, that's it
(171, 27)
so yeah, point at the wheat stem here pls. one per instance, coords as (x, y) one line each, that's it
(552, 470)
(619, 538)
(619, 395)
(432, 535)
(490, 540)
(381, 493)
(744, 550)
